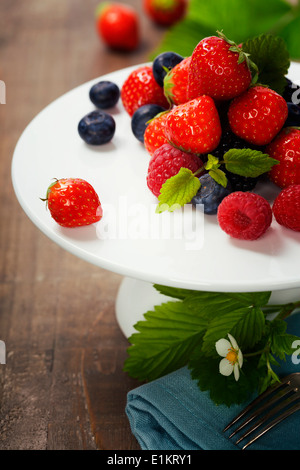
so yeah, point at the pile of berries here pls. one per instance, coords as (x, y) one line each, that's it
(184, 108)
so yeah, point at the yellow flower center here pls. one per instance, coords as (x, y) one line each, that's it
(232, 356)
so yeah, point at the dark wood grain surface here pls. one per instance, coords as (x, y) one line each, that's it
(62, 387)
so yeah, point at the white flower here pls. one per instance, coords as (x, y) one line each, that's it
(233, 357)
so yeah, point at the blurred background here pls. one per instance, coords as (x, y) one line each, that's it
(63, 386)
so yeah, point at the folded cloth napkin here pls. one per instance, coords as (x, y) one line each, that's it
(171, 413)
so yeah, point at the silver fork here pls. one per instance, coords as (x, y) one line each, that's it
(268, 409)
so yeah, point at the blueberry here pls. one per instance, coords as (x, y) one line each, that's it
(210, 194)
(293, 118)
(166, 60)
(97, 128)
(141, 118)
(104, 94)
(291, 91)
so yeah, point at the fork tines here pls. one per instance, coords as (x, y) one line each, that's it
(267, 410)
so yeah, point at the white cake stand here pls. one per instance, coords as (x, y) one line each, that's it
(184, 249)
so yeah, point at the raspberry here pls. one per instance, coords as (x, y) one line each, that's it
(244, 215)
(166, 162)
(286, 207)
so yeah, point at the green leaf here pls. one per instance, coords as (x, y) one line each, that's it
(288, 27)
(178, 190)
(174, 292)
(246, 20)
(281, 342)
(165, 341)
(250, 329)
(248, 162)
(257, 299)
(223, 390)
(219, 176)
(212, 162)
(245, 324)
(271, 56)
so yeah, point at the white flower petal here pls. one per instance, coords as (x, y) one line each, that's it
(236, 371)
(225, 367)
(240, 358)
(233, 341)
(222, 347)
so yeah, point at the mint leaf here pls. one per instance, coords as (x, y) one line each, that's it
(165, 341)
(248, 162)
(219, 176)
(212, 162)
(178, 190)
(271, 56)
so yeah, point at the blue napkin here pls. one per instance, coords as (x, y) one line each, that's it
(171, 413)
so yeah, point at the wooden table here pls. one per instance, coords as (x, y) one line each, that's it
(62, 387)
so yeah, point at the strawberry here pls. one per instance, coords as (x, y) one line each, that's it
(194, 126)
(257, 115)
(286, 207)
(165, 12)
(219, 69)
(286, 149)
(141, 88)
(118, 26)
(73, 202)
(154, 136)
(176, 82)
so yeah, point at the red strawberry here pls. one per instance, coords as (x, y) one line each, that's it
(118, 26)
(73, 202)
(166, 162)
(176, 82)
(194, 126)
(165, 12)
(257, 115)
(141, 88)
(154, 136)
(286, 207)
(215, 70)
(244, 215)
(286, 149)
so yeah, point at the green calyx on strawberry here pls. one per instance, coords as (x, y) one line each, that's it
(176, 82)
(220, 69)
(242, 56)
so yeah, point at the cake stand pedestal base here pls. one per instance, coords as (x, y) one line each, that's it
(136, 297)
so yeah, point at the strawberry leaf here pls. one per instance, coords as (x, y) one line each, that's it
(271, 56)
(178, 190)
(248, 162)
(164, 342)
